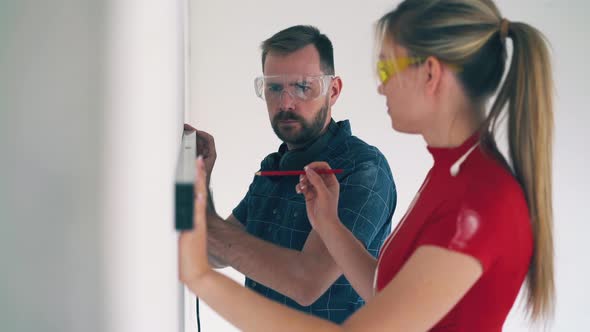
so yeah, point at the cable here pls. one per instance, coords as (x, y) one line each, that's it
(457, 164)
(198, 317)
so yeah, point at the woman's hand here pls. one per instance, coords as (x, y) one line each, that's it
(192, 245)
(321, 195)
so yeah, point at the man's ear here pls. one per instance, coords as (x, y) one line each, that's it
(335, 89)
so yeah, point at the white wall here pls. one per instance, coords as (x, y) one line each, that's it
(144, 99)
(226, 35)
(91, 103)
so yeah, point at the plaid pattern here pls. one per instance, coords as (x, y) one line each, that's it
(273, 211)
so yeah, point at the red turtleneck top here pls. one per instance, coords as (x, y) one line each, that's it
(481, 211)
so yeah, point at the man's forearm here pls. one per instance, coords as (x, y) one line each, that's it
(210, 205)
(212, 216)
(283, 270)
(216, 261)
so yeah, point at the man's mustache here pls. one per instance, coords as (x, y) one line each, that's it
(287, 116)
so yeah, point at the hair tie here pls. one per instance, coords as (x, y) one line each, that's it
(504, 28)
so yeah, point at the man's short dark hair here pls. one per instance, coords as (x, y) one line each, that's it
(297, 37)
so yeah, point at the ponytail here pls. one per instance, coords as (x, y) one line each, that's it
(528, 90)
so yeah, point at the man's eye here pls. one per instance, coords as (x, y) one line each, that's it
(303, 87)
(274, 87)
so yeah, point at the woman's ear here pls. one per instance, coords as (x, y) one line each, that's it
(434, 73)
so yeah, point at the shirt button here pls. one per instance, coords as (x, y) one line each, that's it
(253, 283)
(274, 211)
(295, 214)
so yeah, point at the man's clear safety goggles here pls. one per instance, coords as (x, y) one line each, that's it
(303, 88)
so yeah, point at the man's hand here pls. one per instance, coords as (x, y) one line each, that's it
(205, 148)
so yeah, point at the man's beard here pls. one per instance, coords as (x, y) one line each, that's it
(308, 131)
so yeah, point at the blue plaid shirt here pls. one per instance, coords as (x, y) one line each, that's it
(274, 212)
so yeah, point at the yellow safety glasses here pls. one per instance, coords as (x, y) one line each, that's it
(386, 69)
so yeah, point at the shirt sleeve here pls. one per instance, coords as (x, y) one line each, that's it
(367, 201)
(474, 229)
(241, 211)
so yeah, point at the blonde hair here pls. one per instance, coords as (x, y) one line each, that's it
(471, 34)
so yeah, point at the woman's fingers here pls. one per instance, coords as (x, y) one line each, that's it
(319, 165)
(329, 180)
(303, 182)
(304, 189)
(316, 186)
(316, 180)
(192, 245)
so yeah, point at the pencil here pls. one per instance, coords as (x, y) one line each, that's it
(285, 173)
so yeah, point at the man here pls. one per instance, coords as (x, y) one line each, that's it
(268, 236)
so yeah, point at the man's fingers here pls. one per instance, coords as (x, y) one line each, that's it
(201, 200)
(205, 145)
(189, 128)
(203, 135)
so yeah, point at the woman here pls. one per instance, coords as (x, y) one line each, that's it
(477, 228)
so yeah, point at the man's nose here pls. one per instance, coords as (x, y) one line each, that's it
(286, 101)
